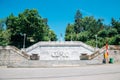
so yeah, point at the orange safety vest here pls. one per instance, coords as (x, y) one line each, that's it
(105, 55)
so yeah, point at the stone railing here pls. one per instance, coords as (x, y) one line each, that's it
(100, 51)
(92, 56)
(64, 43)
(21, 52)
(114, 47)
(16, 50)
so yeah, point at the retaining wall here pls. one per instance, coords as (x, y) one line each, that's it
(12, 57)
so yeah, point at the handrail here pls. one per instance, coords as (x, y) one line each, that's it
(111, 47)
(25, 55)
(53, 43)
(98, 52)
(21, 52)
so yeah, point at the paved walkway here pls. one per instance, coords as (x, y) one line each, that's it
(94, 72)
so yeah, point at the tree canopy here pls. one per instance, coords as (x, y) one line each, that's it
(30, 23)
(86, 28)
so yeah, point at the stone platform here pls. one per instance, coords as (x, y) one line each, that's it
(67, 50)
(11, 56)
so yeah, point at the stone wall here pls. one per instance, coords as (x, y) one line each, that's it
(113, 53)
(60, 50)
(10, 55)
(13, 57)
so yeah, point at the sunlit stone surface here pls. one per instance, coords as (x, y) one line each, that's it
(60, 50)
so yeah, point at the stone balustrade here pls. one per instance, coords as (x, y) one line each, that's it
(13, 57)
(68, 50)
(57, 43)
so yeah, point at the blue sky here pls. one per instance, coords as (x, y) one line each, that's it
(61, 12)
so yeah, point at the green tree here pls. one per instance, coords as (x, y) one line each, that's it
(4, 34)
(114, 40)
(112, 32)
(30, 23)
(78, 22)
(4, 37)
(103, 33)
(116, 24)
(83, 36)
(85, 28)
(70, 33)
(91, 24)
(52, 36)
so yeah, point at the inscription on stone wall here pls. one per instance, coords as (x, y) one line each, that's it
(60, 54)
(60, 51)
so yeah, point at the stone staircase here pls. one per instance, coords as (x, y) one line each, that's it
(97, 53)
(97, 57)
(102, 51)
(22, 53)
(10, 55)
(13, 57)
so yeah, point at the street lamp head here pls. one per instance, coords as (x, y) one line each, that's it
(24, 34)
(96, 35)
(24, 40)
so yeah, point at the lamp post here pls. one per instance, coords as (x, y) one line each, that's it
(61, 37)
(71, 36)
(49, 34)
(24, 40)
(96, 41)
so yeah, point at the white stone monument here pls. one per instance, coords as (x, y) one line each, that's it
(67, 50)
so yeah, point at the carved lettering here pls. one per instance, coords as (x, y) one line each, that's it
(61, 54)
